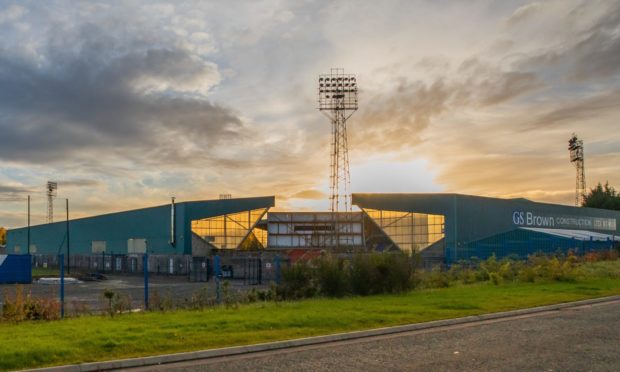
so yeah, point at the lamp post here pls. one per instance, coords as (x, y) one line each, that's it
(28, 233)
(68, 242)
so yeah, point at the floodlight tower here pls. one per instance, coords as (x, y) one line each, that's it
(338, 101)
(51, 189)
(575, 147)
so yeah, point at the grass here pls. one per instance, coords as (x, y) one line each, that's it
(96, 338)
(38, 272)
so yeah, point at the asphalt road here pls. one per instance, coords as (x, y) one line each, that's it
(577, 339)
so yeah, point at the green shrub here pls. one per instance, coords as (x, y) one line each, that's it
(527, 274)
(495, 278)
(297, 282)
(399, 273)
(467, 276)
(362, 274)
(509, 270)
(331, 276)
(436, 279)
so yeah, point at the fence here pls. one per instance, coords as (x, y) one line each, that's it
(251, 267)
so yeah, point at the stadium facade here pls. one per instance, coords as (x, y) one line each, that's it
(453, 227)
(443, 228)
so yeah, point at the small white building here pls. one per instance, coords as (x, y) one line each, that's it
(290, 230)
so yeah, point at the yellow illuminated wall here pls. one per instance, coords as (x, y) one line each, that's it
(410, 231)
(228, 231)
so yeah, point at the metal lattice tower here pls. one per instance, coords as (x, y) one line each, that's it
(51, 189)
(338, 101)
(575, 147)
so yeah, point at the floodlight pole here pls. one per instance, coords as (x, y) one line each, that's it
(68, 245)
(338, 100)
(28, 232)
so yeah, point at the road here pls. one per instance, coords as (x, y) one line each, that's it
(585, 338)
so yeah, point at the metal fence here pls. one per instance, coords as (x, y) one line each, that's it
(253, 268)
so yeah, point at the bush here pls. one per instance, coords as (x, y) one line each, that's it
(159, 302)
(436, 279)
(399, 273)
(21, 308)
(201, 299)
(495, 278)
(297, 282)
(118, 303)
(331, 276)
(363, 274)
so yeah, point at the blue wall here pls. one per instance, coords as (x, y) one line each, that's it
(470, 218)
(15, 269)
(152, 224)
(522, 243)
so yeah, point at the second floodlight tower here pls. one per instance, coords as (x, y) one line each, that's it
(575, 148)
(338, 100)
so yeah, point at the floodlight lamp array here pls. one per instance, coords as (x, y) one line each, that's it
(337, 92)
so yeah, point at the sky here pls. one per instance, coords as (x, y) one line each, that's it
(127, 103)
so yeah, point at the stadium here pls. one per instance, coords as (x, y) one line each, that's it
(442, 228)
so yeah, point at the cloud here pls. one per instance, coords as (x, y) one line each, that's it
(589, 52)
(309, 194)
(98, 98)
(12, 13)
(195, 99)
(79, 183)
(577, 110)
(9, 189)
(399, 117)
(12, 193)
(524, 12)
(396, 119)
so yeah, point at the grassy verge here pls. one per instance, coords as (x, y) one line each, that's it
(38, 272)
(95, 338)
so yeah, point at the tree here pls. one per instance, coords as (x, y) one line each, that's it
(602, 197)
(2, 236)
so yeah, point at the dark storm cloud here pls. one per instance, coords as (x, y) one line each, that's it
(578, 110)
(593, 53)
(5, 189)
(13, 193)
(99, 96)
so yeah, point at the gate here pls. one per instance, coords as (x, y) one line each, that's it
(253, 271)
(200, 270)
